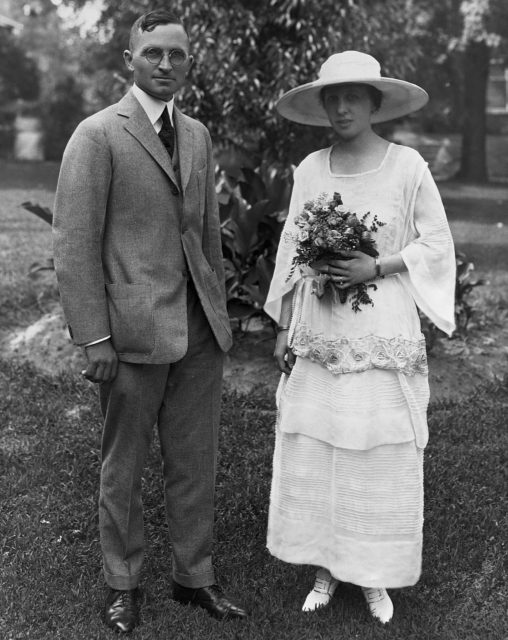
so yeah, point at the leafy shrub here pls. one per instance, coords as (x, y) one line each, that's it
(465, 282)
(253, 204)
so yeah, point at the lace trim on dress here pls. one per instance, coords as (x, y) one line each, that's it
(343, 355)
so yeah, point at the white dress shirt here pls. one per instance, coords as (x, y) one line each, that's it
(153, 107)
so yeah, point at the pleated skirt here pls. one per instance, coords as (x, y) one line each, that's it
(356, 512)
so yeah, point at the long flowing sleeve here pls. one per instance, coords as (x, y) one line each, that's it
(430, 258)
(283, 280)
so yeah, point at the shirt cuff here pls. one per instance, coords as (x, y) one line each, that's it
(89, 344)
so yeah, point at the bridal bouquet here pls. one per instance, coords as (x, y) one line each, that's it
(325, 230)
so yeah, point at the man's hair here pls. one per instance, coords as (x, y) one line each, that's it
(148, 22)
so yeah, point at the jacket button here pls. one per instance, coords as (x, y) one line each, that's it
(174, 190)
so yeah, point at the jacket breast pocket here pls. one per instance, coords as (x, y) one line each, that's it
(131, 317)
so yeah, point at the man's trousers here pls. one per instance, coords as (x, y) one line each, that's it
(183, 400)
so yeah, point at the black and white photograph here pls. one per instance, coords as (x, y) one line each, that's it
(254, 319)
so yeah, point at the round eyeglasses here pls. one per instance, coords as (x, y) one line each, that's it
(176, 56)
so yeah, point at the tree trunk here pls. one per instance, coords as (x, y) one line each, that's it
(474, 124)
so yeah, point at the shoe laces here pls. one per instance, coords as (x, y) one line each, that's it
(125, 601)
(322, 586)
(374, 595)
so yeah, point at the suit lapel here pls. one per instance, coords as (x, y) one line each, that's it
(185, 144)
(139, 126)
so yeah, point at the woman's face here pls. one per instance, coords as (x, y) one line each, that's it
(349, 108)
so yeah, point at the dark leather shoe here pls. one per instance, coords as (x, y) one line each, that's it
(210, 598)
(121, 610)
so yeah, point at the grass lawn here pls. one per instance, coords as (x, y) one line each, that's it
(51, 578)
(24, 239)
(480, 229)
(50, 574)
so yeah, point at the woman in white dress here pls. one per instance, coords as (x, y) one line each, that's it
(347, 486)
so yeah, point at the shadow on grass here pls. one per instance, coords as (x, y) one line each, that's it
(485, 256)
(51, 579)
(28, 175)
(476, 210)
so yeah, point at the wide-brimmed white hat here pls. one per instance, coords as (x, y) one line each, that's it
(303, 104)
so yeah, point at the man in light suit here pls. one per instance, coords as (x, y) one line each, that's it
(139, 265)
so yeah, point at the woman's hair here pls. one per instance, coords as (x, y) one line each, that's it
(375, 94)
(148, 22)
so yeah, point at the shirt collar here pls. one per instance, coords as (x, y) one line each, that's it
(152, 106)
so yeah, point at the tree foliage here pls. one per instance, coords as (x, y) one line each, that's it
(458, 39)
(248, 52)
(484, 27)
(61, 113)
(53, 73)
(19, 76)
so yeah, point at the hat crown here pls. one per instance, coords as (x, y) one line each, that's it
(350, 65)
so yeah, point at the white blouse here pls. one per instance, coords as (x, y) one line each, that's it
(402, 193)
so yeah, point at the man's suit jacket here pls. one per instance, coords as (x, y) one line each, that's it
(130, 229)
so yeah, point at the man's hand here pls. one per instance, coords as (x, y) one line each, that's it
(284, 356)
(102, 362)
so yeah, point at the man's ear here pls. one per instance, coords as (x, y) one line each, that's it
(191, 64)
(127, 56)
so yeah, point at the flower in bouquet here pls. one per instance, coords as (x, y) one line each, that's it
(325, 230)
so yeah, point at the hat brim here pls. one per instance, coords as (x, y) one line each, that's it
(303, 104)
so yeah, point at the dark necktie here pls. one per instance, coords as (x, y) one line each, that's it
(167, 133)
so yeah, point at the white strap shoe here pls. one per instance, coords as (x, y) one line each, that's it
(321, 594)
(380, 605)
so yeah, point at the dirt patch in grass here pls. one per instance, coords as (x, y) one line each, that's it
(46, 344)
(457, 367)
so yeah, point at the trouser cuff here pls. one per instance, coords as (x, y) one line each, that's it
(195, 581)
(124, 583)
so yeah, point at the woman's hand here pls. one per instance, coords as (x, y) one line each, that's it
(284, 356)
(359, 267)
